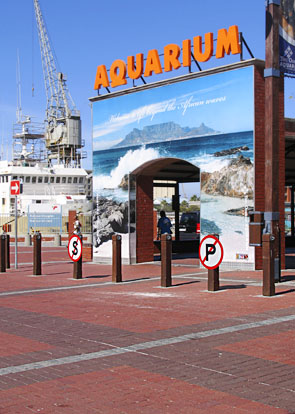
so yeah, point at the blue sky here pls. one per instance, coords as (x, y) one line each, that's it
(223, 102)
(90, 33)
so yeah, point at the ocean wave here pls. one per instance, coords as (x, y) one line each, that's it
(127, 163)
(209, 163)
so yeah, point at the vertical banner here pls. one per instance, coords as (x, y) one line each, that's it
(287, 37)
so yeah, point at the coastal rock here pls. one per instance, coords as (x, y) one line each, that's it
(235, 180)
(230, 151)
(124, 183)
(239, 211)
(109, 218)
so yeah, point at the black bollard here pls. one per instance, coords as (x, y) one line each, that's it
(166, 256)
(7, 251)
(37, 254)
(213, 276)
(213, 279)
(78, 268)
(116, 259)
(2, 254)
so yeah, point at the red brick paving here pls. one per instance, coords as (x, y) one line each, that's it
(249, 371)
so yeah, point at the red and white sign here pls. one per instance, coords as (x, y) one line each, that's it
(75, 248)
(210, 252)
(15, 187)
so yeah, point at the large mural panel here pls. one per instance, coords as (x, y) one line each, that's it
(208, 121)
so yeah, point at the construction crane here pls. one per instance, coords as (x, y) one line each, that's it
(63, 130)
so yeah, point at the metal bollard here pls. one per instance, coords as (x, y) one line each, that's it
(213, 276)
(116, 259)
(213, 279)
(57, 240)
(78, 265)
(77, 272)
(37, 254)
(268, 264)
(28, 241)
(7, 251)
(2, 254)
(166, 256)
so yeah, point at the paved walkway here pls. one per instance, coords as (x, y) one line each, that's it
(91, 346)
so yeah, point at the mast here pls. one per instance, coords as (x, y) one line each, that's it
(63, 131)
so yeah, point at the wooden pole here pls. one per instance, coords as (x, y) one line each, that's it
(166, 256)
(116, 259)
(272, 87)
(37, 254)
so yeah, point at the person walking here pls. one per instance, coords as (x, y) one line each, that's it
(164, 224)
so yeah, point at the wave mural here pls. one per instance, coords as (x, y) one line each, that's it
(216, 136)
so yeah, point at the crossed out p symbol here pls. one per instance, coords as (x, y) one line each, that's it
(210, 252)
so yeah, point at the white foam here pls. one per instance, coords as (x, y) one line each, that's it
(131, 160)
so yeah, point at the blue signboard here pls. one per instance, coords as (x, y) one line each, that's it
(39, 220)
(287, 37)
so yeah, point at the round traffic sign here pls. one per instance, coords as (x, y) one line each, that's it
(210, 252)
(75, 248)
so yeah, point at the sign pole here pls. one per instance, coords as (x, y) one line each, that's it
(272, 89)
(15, 206)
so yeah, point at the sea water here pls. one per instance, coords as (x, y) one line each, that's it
(110, 165)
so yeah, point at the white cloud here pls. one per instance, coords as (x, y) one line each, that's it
(118, 121)
(101, 145)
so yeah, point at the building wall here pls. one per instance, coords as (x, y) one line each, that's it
(144, 220)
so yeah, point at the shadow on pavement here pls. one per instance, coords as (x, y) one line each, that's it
(185, 283)
(284, 292)
(287, 278)
(96, 277)
(232, 287)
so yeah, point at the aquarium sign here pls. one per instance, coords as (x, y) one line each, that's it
(135, 67)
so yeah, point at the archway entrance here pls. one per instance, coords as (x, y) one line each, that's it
(165, 173)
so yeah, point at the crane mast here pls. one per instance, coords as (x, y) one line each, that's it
(63, 130)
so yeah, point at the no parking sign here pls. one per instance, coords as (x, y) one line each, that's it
(210, 252)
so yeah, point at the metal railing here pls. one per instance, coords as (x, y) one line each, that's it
(7, 224)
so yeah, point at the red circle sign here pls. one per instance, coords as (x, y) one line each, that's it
(75, 248)
(210, 252)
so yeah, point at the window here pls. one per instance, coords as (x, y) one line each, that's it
(34, 179)
(14, 177)
(70, 180)
(3, 201)
(40, 179)
(52, 179)
(38, 201)
(45, 180)
(28, 179)
(81, 180)
(57, 180)
(64, 180)
(75, 180)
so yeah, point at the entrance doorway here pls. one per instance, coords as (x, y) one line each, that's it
(147, 180)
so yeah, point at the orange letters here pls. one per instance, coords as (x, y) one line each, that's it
(153, 63)
(135, 71)
(207, 54)
(227, 42)
(171, 55)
